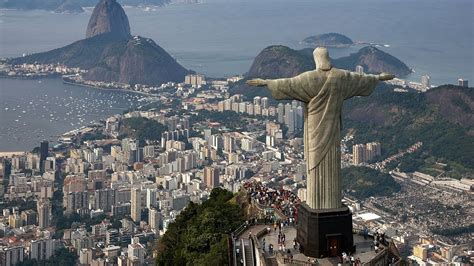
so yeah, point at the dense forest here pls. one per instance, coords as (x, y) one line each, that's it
(199, 234)
(142, 129)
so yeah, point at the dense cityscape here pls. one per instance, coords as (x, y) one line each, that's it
(105, 193)
(284, 164)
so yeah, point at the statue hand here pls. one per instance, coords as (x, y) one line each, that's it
(256, 82)
(385, 76)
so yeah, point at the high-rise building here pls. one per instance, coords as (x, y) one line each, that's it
(287, 113)
(247, 144)
(76, 200)
(264, 102)
(12, 255)
(155, 219)
(44, 213)
(358, 155)
(2, 168)
(291, 120)
(207, 135)
(136, 253)
(112, 237)
(149, 151)
(270, 141)
(257, 100)
(372, 150)
(229, 143)
(359, 69)
(104, 199)
(44, 146)
(136, 208)
(425, 81)
(29, 217)
(211, 177)
(250, 109)
(365, 152)
(151, 199)
(281, 113)
(299, 118)
(41, 249)
(195, 79)
(463, 83)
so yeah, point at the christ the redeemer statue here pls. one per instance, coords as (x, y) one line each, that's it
(323, 92)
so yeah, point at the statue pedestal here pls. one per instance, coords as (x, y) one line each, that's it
(325, 232)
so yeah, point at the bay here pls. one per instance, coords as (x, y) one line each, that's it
(36, 110)
(221, 38)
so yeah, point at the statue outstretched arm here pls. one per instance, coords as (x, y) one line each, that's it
(385, 76)
(295, 88)
(364, 84)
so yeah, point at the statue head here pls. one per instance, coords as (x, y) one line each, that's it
(322, 59)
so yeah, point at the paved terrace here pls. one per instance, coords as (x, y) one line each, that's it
(364, 247)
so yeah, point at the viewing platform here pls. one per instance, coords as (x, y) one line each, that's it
(256, 243)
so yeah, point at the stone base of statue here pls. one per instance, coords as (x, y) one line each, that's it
(325, 232)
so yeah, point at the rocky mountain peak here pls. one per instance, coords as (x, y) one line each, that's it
(108, 17)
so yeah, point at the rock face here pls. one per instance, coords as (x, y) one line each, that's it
(110, 58)
(279, 61)
(110, 54)
(328, 40)
(140, 60)
(108, 17)
(374, 61)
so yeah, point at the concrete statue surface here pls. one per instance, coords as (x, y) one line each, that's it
(323, 92)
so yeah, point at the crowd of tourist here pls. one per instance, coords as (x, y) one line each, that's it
(280, 199)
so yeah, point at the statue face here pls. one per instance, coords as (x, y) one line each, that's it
(322, 59)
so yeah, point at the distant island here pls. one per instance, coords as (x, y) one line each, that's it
(334, 40)
(110, 53)
(70, 6)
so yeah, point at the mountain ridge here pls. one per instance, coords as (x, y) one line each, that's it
(110, 54)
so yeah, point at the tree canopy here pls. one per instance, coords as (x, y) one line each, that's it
(199, 234)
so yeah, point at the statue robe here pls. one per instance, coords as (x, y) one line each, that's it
(323, 93)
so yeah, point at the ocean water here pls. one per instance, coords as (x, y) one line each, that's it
(221, 37)
(36, 110)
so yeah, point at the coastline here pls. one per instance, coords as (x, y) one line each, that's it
(109, 89)
(50, 76)
(9, 152)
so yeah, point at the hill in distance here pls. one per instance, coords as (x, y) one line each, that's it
(442, 118)
(278, 61)
(110, 54)
(69, 6)
(334, 40)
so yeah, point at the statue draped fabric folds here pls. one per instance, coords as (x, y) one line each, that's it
(323, 92)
